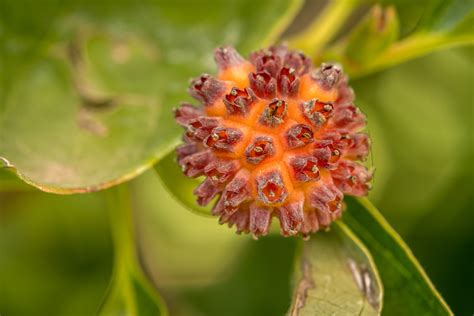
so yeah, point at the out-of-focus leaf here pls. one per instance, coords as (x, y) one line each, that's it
(419, 117)
(336, 275)
(362, 49)
(437, 15)
(325, 26)
(90, 86)
(55, 253)
(407, 288)
(172, 239)
(440, 24)
(130, 293)
(375, 33)
(258, 284)
(10, 182)
(179, 185)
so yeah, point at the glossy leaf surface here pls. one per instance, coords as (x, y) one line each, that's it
(407, 288)
(335, 275)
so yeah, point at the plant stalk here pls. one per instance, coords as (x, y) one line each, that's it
(315, 37)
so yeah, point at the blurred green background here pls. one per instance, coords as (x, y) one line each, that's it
(56, 251)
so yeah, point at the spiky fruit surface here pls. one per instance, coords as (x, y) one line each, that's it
(274, 138)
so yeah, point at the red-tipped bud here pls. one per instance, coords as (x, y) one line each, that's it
(221, 171)
(205, 192)
(185, 113)
(238, 101)
(236, 192)
(270, 188)
(260, 219)
(241, 220)
(259, 149)
(186, 149)
(263, 84)
(326, 201)
(352, 178)
(266, 61)
(299, 135)
(274, 113)
(349, 118)
(317, 112)
(193, 165)
(327, 76)
(227, 56)
(223, 138)
(359, 148)
(299, 62)
(287, 82)
(291, 218)
(305, 168)
(206, 89)
(198, 129)
(310, 223)
(345, 92)
(340, 139)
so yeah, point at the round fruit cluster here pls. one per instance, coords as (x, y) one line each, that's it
(274, 138)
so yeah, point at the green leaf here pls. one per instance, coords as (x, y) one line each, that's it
(325, 26)
(372, 44)
(9, 182)
(375, 33)
(256, 284)
(336, 275)
(407, 288)
(130, 293)
(441, 24)
(87, 100)
(414, 157)
(161, 221)
(55, 253)
(445, 15)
